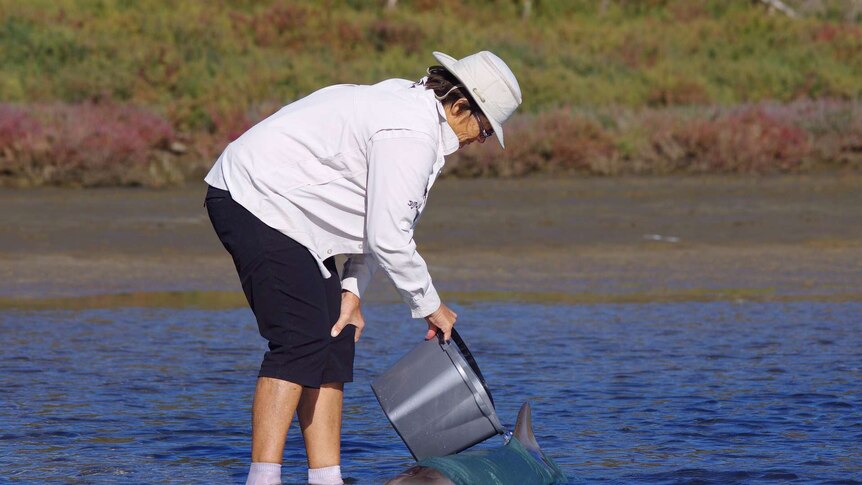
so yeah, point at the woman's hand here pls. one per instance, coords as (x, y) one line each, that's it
(443, 319)
(350, 315)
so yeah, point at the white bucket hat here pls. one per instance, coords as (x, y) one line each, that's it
(491, 84)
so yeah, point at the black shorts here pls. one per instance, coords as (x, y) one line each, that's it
(294, 305)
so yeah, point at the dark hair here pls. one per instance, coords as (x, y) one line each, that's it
(448, 88)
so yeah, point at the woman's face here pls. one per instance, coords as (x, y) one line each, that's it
(467, 125)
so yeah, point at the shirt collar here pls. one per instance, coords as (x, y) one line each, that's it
(450, 139)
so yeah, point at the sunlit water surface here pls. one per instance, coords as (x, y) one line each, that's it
(651, 393)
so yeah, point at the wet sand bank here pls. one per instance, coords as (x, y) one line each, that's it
(574, 240)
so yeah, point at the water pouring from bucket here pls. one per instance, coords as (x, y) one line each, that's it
(437, 400)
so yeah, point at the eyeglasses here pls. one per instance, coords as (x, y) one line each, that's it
(483, 133)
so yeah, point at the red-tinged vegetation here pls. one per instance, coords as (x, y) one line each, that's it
(278, 25)
(762, 138)
(17, 129)
(746, 140)
(384, 33)
(552, 142)
(85, 144)
(108, 144)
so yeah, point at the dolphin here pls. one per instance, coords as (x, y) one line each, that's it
(520, 461)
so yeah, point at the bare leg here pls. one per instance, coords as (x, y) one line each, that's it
(275, 403)
(320, 419)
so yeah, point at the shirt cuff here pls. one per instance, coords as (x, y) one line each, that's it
(351, 284)
(426, 305)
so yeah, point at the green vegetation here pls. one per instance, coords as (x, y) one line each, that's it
(212, 68)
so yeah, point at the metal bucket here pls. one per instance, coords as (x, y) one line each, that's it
(437, 400)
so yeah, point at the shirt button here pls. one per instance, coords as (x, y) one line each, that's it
(360, 245)
(328, 251)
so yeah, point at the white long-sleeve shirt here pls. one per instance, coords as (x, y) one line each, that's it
(347, 170)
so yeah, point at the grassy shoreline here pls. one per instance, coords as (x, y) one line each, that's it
(118, 93)
(202, 63)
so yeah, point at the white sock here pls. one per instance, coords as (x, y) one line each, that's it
(264, 474)
(330, 475)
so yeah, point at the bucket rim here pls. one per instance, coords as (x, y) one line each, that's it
(462, 359)
(471, 361)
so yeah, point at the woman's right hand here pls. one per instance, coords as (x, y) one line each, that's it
(351, 314)
(442, 319)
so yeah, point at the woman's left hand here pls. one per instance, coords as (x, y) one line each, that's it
(351, 314)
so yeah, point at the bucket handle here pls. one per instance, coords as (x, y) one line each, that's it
(468, 356)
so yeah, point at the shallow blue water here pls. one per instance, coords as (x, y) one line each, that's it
(652, 393)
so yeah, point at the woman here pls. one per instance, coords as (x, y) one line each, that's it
(345, 170)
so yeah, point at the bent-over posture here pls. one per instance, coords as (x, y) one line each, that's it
(345, 170)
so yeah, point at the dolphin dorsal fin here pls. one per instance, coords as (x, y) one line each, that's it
(524, 429)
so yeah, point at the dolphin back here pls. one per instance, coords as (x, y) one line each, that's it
(510, 464)
(520, 461)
